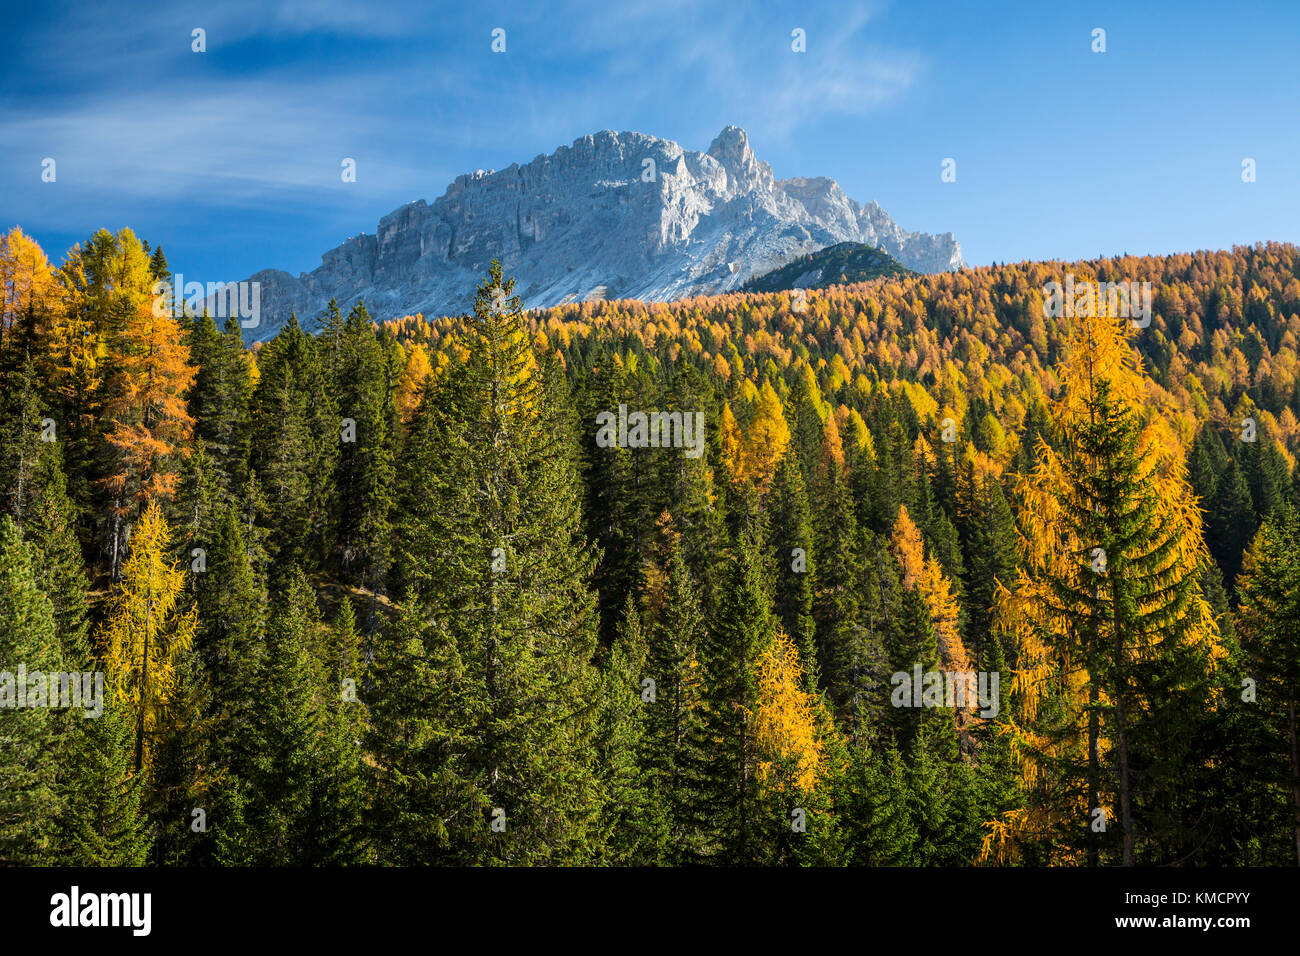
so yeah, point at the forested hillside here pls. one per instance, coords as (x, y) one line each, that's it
(438, 591)
(840, 264)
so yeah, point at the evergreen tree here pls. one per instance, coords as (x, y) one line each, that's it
(1231, 522)
(497, 578)
(295, 444)
(672, 755)
(29, 650)
(633, 823)
(737, 639)
(296, 797)
(102, 823)
(1108, 610)
(365, 463)
(791, 534)
(1270, 629)
(219, 399)
(836, 600)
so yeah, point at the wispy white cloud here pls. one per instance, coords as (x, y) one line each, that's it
(738, 58)
(239, 141)
(131, 115)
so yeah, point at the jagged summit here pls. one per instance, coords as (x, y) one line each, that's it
(744, 172)
(615, 215)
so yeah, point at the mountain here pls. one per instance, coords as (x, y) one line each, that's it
(615, 215)
(840, 264)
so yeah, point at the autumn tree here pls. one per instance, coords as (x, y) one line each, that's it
(27, 282)
(147, 632)
(1107, 605)
(147, 376)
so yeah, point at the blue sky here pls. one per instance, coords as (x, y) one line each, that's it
(230, 159)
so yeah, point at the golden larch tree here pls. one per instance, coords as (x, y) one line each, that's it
(1111, 547)
(147, 630)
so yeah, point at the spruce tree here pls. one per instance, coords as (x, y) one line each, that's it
(671, 756)
(1269, 624)
(102, 823)
(738, 636)
(497, 576)
(791, 534)
(29, 650)
(633, 825)
(1108, 611)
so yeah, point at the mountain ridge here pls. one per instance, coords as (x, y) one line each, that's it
(613, 215)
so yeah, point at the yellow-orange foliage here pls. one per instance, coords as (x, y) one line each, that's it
(832, 452)
(147, 632)
(1049, 607)
(754, 455)
(146, 406)
(26, 277)
(411, 384)
(785, 723)
(935, 587)
(768, 437)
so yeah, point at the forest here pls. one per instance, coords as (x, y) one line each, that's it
(953, 582)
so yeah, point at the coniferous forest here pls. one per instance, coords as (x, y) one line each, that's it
(907, 572)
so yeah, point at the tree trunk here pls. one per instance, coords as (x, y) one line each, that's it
(1094, 770)
(1295, 770)
(144, 687)
(1121, 748)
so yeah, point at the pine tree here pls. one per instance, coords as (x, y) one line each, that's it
(738, 637)
(497, 578)
(219, 399)
(634, 827)
(296, 796)
(1231, 522)
(671, 755)
(1105, 606)
(1269, 625)
(275, 769)
(365, 464)
(51, 528)
(989, 541)
(791, 533)
(182, 774)
(29, 650)
(147, 632)
(230, 602)
(102, 823)
(23, 444)
(840, 636)
(295, 450)
(879, 823)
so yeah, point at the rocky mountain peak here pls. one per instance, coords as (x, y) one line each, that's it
(744, 172)
(614, 215)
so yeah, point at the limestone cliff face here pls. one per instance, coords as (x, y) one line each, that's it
(615, 215)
